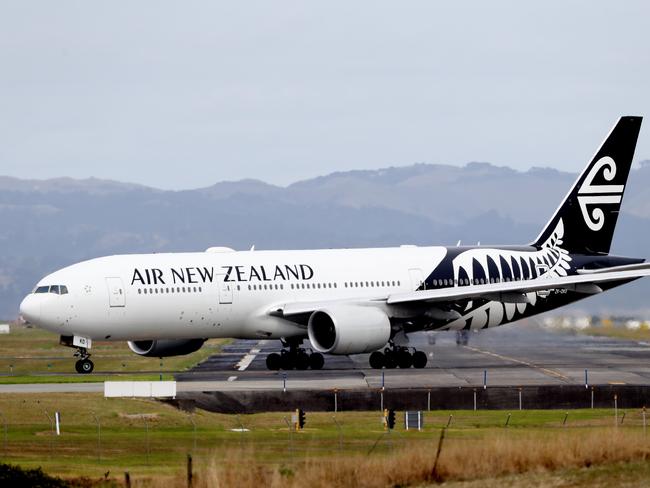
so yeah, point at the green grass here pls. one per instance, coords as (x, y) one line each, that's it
(30, 355)
(148, 437)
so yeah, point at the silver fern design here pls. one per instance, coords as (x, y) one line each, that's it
(549, 262)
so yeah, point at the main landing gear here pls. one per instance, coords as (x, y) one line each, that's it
(294, 358)
(84, 365)
(398, 356)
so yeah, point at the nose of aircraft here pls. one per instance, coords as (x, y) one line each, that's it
(30, 309)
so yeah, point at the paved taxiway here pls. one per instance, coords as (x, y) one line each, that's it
(522, 354)
(512, 355)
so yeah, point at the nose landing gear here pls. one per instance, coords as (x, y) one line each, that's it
(84, 365)
(398, 356)
(81, 345)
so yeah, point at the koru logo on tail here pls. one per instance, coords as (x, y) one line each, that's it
(591, 195)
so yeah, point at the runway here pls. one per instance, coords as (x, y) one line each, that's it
(523, 354)
(495, 370)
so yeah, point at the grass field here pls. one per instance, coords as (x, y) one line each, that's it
(31, 355)
(151, 440)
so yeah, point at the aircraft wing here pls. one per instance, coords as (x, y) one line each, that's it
(514, 291)
(586, 281)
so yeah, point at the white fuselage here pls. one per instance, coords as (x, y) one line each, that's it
(216, 294)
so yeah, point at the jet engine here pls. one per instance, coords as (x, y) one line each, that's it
(166, 347)
(348, 329)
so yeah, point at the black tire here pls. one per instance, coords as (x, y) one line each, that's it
(302, 360)
(77, 366)
(376, 360)
(86, 366)
(273, 361)
(419, 360)
(316, 361)
(288, 361)
(390, 361)
(404, 359)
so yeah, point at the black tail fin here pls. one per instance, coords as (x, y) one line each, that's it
(586, 219)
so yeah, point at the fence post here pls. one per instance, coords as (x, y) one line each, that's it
(434, 470)
(336, 400)
(189, 471)
(146, 435)
(51, 432)
(475, 399)
(429, 401)
(615, 409)
(592, 397)
(289, 428)
(338, 426)
(644, 424)
(4, 440)
(520, 398)
(193, 433)
(99, 438)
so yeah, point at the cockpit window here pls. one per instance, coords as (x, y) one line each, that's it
(56, 289)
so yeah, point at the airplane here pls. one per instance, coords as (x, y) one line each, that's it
(345, 301)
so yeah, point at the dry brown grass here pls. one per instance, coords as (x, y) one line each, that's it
(495, 455)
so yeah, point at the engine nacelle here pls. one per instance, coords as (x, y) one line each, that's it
(166, 347)
(348, 329)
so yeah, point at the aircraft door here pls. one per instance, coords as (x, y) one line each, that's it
(116, 292)
(225, 290)
(417, 278)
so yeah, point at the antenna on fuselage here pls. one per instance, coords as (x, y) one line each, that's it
(253, 247)
(458, 243)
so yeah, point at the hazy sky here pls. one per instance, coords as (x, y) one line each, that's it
(185, 94)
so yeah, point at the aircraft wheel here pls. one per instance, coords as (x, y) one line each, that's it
(377, 360)
(288, 361)
(85, 366)
(419, 359)
(404, 359)
(316, 360)
(77, 366)
(273, 361)
(302, 360)
(390, 361)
